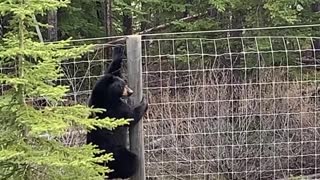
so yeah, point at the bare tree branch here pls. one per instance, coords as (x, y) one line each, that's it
(159, 27)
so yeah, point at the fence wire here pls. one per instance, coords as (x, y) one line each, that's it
(231, 108)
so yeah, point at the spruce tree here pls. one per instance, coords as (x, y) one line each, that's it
(29, 70)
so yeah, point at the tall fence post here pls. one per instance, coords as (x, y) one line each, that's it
(134, 55)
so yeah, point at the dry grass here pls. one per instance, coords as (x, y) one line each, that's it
(211, 128)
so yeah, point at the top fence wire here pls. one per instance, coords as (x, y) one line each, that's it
(237, 104)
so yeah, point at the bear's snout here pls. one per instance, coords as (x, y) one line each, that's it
(127, 91)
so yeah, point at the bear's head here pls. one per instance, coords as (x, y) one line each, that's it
(118, 87)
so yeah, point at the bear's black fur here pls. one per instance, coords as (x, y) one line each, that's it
(107, 94)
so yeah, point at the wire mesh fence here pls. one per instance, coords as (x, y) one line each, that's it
(228, 108)
(220, 106)
(231, 107)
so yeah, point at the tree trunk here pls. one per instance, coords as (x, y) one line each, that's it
(236, 20)
(144, 9)
(127, 21)
(4, 23)
(107, 12)
(316, 42)
(212, 12)
(53, 22)
(187, 8)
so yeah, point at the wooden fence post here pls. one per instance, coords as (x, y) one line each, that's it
(134, 56)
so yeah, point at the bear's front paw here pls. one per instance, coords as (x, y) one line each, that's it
(118, 52)
(144, 104)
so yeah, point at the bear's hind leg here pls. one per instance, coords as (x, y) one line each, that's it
(124, 165)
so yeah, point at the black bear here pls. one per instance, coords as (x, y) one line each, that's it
(108, 93)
